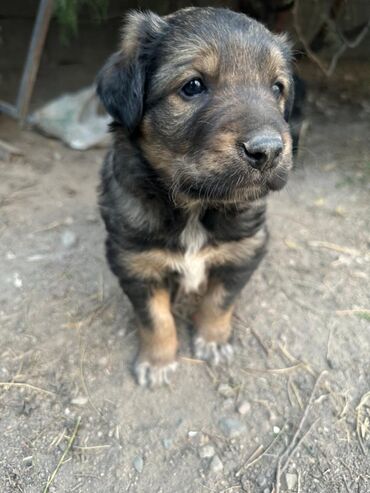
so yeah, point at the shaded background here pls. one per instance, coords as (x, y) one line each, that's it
(71, 59)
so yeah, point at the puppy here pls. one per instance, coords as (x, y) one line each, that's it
(200, 102)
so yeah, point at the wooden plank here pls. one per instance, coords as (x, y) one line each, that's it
(34, 56)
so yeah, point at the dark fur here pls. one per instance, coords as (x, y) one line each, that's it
(176, 162)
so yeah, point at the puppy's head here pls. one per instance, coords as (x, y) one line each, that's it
(206, 95)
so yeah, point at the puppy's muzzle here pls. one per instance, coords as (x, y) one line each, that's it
(262, 149)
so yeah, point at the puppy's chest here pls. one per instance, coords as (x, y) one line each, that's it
(192, 264)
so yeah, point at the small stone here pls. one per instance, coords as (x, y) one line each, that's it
(79, 400)
(276, 430)
(225, 390)
(192, 434)
(216, 465)
(228, 404)
(138, 464)
(291, 480)
(244, 407)
(92, 218)
(206, 452)
(69, 239)
(232, 427)
(18, 283)
(246, 484)
(167, 443)
(261, 480)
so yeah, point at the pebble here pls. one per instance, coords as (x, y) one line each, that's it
(206, 452)
(138, 464)
(79, 400)
(244, 407)
(167, 443)
(246, 484)
(92, 218)
(291, 480)
(228, 404)
(232, 427)
(69, 239)
(18, 283)
(261, 480)
(225, 390)
(216, 464)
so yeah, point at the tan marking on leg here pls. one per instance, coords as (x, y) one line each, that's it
(158, 345)
(212, 322)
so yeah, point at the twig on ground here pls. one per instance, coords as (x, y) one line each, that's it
(295, 442)
(256, 453)
(27, 386)
(271, 444)
(353, 311)
(333, 246)
(361, 428)
(274, 371)
(92, 447)
(254, 333)
(328, 347)
(82, 350)
(61, 460)
(296, 361)
(192, 360)
(296, 394)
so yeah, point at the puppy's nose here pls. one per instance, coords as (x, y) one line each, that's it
(262, 149)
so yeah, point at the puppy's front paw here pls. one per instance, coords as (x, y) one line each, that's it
(213, 352)
(149, 375)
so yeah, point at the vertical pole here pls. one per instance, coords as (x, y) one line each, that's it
(31, 67)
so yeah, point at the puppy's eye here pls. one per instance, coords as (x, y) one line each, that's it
(193, 88)
(278, 89)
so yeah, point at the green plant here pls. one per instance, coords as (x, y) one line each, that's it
(67, 12)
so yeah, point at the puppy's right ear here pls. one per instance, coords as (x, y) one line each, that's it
(121, 82)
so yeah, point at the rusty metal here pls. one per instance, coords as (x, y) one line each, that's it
(41, 26)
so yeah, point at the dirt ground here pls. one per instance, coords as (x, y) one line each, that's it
(70, 411)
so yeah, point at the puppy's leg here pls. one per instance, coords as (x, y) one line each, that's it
(213, 319)
(212, 322)
(158, 339)
(157, 331)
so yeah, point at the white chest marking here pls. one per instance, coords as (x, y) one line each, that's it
(193, 266)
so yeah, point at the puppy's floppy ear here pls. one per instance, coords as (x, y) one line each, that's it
(121, 82)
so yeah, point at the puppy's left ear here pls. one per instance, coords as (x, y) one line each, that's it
(121, 82)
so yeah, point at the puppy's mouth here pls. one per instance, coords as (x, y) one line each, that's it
(233, 184)
(278, 178)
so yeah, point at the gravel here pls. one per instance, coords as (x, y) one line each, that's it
(216, 465)
(232, 427)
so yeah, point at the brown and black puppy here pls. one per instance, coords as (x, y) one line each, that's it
(200, 101)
